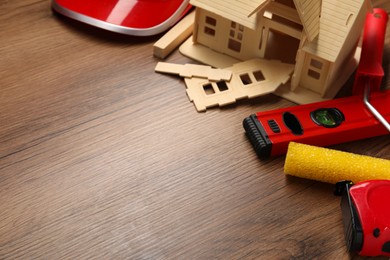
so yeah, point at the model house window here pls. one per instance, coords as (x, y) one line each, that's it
(235, 36)
(222, 86)
(211, 23)
(314, 74)
(315, 68)
(245, 79)
(257, 75)
(215, 87)
(316, 64)
(208, 89)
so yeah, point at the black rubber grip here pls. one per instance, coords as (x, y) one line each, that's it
(257, 136)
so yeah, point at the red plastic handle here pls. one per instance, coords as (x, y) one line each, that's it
(370, 65)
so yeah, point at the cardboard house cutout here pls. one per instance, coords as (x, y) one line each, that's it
(318, 37)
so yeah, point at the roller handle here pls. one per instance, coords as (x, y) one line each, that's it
(370, 65)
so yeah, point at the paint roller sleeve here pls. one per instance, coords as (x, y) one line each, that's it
(327, 165)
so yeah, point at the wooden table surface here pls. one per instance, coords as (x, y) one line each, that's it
(101, 158)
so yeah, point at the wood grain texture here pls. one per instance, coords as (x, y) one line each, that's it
(101, 158)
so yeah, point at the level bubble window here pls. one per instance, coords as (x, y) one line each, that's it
(327, 117)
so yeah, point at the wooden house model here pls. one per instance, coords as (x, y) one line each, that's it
(318, 38)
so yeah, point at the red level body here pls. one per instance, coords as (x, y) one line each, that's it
(366, 216)
(321, 124)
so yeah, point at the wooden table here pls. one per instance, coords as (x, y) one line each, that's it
(102, 158)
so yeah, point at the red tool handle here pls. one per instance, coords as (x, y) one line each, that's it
(370, 65)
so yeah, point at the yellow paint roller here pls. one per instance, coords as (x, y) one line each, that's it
(327, 165)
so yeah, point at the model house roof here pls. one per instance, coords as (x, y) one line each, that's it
(337, 18)
(235, 10)
(309, 12)
(242, 12)
(327, 23)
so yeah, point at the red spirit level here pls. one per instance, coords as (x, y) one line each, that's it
(331, 122)
(366, 216)
(320, 124)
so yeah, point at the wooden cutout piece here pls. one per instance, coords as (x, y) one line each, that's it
(250, 79)
(174, 37)
(193, 70)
